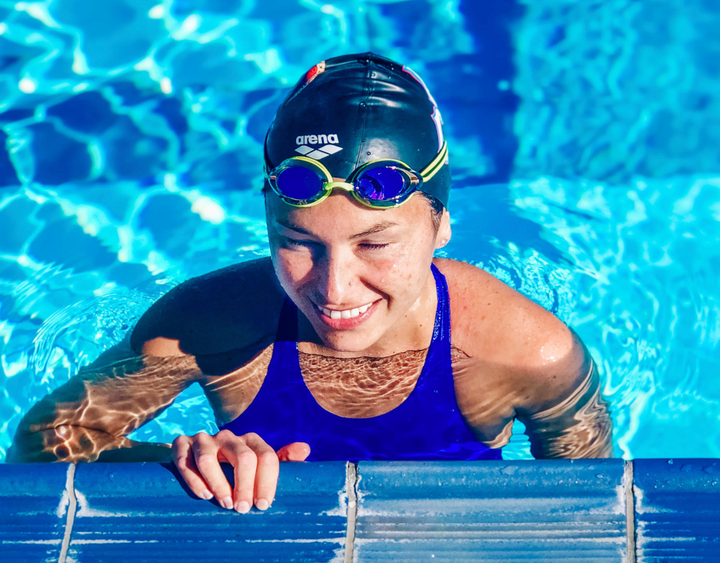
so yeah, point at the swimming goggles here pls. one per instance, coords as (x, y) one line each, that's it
(302, 182)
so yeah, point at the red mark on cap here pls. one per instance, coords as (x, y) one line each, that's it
(314, 71)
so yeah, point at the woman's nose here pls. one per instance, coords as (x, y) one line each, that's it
(338, 277)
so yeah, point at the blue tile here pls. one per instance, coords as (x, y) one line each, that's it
(491, 511)
(33, 511)
(128, 511)
(677, 510)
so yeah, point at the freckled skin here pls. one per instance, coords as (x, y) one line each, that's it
(511, 358)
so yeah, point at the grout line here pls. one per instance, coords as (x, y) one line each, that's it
(629, 481)
(72, 508)
(351, 481)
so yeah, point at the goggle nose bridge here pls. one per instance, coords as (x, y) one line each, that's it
(329, 186)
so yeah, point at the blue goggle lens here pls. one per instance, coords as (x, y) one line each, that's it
(299, 183)
(383, 184)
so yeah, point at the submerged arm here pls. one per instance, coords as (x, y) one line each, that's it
(577, 427)
(87, 418)
(568, 417)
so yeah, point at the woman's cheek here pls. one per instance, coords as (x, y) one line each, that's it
(400, 262)
(294, 266)
(392, 271)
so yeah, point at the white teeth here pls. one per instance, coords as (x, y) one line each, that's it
(346, 314)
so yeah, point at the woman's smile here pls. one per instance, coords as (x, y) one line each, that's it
(347, 318)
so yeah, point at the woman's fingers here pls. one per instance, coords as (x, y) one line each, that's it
(185, 461)
(205, 449)
(256, 467)
(244, 461)
(268, 470)
(297, 451)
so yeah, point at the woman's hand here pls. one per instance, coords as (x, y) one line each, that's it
(256, 467)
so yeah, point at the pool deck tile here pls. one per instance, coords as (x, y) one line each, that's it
(491, 511)
(677, 510)
(34, 511)
(141, 512)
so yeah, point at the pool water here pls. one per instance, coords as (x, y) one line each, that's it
(585, 149)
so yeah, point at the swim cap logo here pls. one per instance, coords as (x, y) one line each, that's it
(329, 147)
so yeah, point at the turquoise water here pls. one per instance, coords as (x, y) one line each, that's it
(584, 145)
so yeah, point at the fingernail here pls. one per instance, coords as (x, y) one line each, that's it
(226, 502)
(243, 507)
(207, 495)
(262, 504)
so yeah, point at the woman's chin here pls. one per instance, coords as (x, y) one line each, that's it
(345, 342)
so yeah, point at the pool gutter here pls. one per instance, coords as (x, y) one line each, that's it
(592, 510)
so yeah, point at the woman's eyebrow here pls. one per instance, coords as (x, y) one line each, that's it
(375, 229)
(293, 227)
(379, 227)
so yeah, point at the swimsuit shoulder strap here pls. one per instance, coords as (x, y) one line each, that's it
(287, 330)
(437, 372)
(441, 331)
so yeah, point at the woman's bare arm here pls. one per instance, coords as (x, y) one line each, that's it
(577, 427)
(88, 417)
(228, 313)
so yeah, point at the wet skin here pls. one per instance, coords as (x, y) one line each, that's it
(511, 358)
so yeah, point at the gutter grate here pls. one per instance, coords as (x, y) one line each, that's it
(351, 487)
(72, 508)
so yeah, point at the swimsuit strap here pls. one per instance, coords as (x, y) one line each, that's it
(288, 324)
(441, 331)
(437, 371)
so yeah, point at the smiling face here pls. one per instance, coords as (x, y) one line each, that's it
(360, 276)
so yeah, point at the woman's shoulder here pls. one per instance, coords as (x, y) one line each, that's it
(229, 309)
(492, 321)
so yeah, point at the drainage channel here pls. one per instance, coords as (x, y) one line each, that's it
(72, 508)
(351, 480)
(629, 481)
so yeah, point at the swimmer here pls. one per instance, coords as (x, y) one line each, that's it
(352, 341)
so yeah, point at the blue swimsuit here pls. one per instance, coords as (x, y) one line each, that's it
(426, 426)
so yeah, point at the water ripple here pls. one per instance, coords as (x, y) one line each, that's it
(646, 301)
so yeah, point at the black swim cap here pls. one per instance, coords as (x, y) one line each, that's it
(354, 109)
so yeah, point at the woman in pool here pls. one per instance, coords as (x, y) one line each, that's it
(352, 341)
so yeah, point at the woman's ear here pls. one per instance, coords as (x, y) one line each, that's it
(444, 233)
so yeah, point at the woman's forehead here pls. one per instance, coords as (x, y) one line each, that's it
(344, 214)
